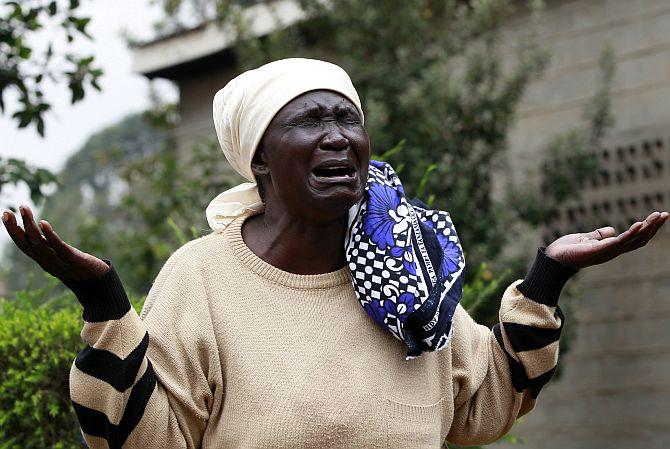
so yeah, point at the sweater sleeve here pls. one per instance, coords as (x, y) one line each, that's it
(498, 373)
(151, 381)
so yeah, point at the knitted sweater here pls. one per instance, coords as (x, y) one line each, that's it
(231, 352)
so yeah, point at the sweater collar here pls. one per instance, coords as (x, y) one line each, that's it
(298, 281)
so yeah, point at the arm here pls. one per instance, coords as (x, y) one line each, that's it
(150, 382)
(138, 383)
(499, 373)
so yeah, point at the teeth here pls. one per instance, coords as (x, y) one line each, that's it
(333, 171)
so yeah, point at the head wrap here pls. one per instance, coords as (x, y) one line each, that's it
(243, 110)
(405, 260)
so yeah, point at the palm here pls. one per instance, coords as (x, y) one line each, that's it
(56, 257)
(599, 246)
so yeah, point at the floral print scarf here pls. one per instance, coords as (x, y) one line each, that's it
(406, 262)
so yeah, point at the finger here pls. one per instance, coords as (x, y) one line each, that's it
(646, 231)
(652, 230)
(601, 233)
(611, 247)
(629, 233)
(43, 254)
(55, 242)
(35, 237)
(17, 235)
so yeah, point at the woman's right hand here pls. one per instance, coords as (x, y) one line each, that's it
(56, 257)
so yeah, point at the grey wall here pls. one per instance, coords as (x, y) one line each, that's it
(615, 390)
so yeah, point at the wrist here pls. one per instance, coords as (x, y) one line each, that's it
(545, 279)
(102, 297)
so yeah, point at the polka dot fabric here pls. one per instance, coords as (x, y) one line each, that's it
(406, 263)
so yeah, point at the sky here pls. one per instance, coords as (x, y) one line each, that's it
(68, 126)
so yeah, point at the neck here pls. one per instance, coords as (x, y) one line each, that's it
(296, 245)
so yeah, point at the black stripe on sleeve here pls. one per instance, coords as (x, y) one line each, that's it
(97, 424)
(137, 402)
(540, 381)
(527, 338)
(104, 365)
(520, 380)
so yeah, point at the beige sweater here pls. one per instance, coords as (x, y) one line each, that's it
(231, 352)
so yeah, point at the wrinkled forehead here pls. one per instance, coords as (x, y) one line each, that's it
(317, 102)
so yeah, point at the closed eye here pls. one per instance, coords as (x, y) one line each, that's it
(306, 123)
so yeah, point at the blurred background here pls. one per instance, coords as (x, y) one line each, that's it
(526, 120)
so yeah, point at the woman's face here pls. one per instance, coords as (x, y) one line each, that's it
(313, 158)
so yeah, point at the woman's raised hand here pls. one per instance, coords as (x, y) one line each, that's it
(603, 244)
(56, 257)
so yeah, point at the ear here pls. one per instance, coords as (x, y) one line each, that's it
(259, 166)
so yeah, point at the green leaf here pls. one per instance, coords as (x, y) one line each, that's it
(77, 89)
(40, 126)
(24, 52)
(387, 154)
(424, 180)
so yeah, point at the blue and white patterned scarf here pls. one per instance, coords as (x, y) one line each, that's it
(406, 263)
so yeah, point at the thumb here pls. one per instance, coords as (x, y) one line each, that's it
(601, 233)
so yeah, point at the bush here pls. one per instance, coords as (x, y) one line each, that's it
(37, 348)
(39, 340)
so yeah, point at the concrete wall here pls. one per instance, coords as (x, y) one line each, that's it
(615, 389)
(195, 106)
(196, 127)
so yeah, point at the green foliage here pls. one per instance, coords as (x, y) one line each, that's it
(481, 296)
(37, 347)
(24, 68)
(15, 171)
(163, 206)
(39, 339)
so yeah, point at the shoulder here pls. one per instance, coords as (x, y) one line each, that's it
(200, 252)
(184, 274)
(190, 263)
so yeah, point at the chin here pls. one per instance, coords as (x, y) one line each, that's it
(333, 203)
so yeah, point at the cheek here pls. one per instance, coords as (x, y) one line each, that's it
(361, 143)
(290, 164)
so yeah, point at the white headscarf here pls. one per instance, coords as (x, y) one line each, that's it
(243, 110)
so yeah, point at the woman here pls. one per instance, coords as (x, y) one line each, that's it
(254, 335)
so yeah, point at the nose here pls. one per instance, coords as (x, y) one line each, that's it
(334, 140)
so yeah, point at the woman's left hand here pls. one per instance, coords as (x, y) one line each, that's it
(602, 245)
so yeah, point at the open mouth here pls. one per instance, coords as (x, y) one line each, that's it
(335, 172)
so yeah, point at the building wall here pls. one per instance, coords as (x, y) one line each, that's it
(615, 388)
(196, 94)
(196, 126)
